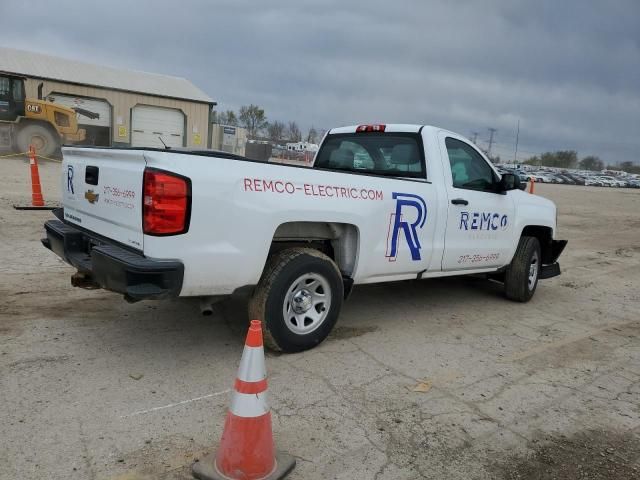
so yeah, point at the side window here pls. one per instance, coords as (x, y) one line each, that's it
(17, 91)
(4, 88)
(468, 168)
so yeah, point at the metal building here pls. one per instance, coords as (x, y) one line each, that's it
(134, 108)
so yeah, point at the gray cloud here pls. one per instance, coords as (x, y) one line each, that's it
(570, 71)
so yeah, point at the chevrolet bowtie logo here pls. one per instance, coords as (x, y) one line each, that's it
(91, 197)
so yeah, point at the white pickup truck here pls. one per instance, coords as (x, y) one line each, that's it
(381, 203)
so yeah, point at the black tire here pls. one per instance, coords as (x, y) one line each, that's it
(279, 279)
(15, 148)
(42, 138)
(517, 284)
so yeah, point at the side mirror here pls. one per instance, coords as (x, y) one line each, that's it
(509, 181)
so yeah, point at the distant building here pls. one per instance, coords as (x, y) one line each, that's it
(302, 147)
(135, 108)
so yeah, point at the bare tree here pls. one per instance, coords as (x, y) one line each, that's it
(275, 130)
(227, 118)
(252, 118)
(591, 162)
(312, 136)
(293, 132)
(559, 159)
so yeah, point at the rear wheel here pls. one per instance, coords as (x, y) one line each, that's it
(298, 299)
(42, 139)
(521, 276)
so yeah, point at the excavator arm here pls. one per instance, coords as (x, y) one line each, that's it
(86, 113)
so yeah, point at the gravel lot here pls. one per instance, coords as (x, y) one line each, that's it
(94, 388)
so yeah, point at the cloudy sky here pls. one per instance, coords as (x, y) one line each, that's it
(568, 70)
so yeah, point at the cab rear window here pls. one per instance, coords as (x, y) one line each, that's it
(386, 154)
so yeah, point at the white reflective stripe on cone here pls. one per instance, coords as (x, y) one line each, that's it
(249, 405)
(252, 367)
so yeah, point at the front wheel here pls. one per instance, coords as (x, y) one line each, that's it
(521, 276)
(298, 299)
(38, 136)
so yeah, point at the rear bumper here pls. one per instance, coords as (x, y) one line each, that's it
(107, 265)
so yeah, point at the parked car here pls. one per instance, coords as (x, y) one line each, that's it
(555, 178)
(609, 181)
(593, 182)
(538, 177)
(566, 179)
(577, 179)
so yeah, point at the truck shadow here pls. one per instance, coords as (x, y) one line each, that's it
(159, 327)
(387, 299)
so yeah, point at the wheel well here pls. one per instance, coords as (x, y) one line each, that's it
(339, 241)
(544, 236)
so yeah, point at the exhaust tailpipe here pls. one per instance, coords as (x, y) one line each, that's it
(206, 305)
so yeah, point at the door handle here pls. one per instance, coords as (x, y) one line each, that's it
(459, 201)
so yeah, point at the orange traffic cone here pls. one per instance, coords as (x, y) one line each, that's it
(37, 202)
(246, 449)
(531, 183)
(36, 189)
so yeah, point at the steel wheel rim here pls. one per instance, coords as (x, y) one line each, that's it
(534, 266)
(38, 142)
(307, 303)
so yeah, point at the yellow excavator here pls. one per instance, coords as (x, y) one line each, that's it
(43, 124)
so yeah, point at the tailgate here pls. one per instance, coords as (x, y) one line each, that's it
(102, 192)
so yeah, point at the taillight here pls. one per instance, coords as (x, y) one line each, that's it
(166, 203)
(370, 128)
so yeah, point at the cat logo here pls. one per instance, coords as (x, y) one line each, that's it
(91, 196)
(34, 108)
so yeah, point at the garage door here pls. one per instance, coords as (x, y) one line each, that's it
(101, 107)
(149, 124)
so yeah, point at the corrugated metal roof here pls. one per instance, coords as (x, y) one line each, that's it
(31, 64)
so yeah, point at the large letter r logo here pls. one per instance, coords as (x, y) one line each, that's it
(410, 214)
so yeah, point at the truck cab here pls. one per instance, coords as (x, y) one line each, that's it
(475, 215)
(11, 98)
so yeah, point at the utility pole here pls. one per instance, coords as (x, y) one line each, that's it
(492, 131)
(474, 137)
(515, 155)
